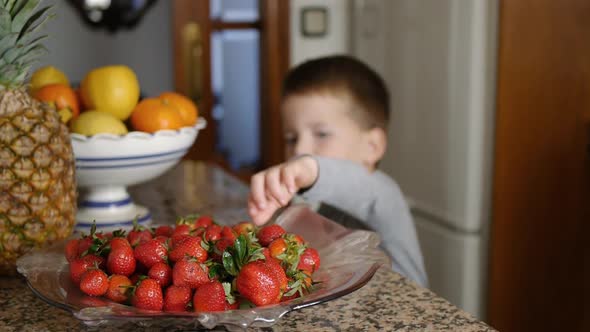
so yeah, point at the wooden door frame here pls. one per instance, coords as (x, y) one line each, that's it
(541, 168)
(274, 64)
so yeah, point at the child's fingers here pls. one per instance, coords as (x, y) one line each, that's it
(261, 216)
(288, 178)
(275, 187)
(257, 190)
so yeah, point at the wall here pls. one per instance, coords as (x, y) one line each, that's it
(75, 48)
(337, 39)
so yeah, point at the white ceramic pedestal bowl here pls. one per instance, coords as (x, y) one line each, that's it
(107, 164)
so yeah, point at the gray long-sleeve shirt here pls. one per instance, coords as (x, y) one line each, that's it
(375, 199)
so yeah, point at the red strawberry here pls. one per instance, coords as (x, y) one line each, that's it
(277, 247)
(279, 273)
(71, 249)
(258, 283)
(204, 221)
(148, 295)
(151, 252)
(118, 287)
(80, 265)
(189, 273)
(164, 230)
(190, 246)
(213, 233)
(94, 282)
(269, 233)
(162, 239)
(309, 260)
(139, 234)
(162, 273)
(210, 297)
(121, 259)
(220, 247)
(243, 227)
(177, 298)
(228, 233)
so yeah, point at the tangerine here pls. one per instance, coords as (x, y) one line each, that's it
(61, 95)
(186, 107)
(153, 114)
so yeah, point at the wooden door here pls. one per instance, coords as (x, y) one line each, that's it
(542, 168)
(192, 69)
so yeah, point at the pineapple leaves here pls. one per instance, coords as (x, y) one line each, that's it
(8, 4)
(4, 22)
(18, 52)
(21, 12)
(28, 27)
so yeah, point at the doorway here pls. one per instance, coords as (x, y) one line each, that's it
(230, 57)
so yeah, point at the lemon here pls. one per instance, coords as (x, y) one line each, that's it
(111, 89)
(97, 122)
(45, 76)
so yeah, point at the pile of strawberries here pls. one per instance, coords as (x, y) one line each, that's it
(195, 265)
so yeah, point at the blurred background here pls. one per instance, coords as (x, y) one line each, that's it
(488, 140)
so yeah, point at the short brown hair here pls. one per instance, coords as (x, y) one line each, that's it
(343, 74)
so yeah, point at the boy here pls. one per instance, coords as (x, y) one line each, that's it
(335, 114)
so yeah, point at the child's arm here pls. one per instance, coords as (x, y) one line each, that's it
(275, 186)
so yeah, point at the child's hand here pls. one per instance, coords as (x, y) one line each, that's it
(274, 187)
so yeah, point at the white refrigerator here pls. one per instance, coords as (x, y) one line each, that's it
(438, 58)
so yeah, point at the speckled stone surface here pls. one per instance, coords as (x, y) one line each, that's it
(388, 302)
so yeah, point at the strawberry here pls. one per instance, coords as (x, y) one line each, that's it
(118, 287)
(151, 252)
(121, 259)
(279, 274)
(139, 234)
(220, 247)
(94, 282)
(161, 273)
(188, 246)
(177, 298)
(210, 297)
(71, 249)
(164, 230)
(213, 233)
(228, 233)
(269, 233)
(189, 273)
(309, 260)
(204, 221)
(258, 283)
(277, 247)
(148, 295)
(79, 266)
(243, 228)
(162, 239)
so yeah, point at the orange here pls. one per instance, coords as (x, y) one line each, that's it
(61, 95)
(153, 114)
(186, 107)
(111, 89)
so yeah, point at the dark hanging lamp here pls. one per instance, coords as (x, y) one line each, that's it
(112, 14)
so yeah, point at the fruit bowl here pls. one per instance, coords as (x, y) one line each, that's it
(349, 259)
(107, 164)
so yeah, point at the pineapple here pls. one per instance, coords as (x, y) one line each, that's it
(37, 183)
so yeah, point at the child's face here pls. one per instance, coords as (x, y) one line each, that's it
(322, 125)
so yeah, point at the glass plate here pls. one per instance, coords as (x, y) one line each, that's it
(349, 259)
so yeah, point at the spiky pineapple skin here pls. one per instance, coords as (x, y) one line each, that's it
(37, 177)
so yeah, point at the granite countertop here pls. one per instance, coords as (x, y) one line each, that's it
(388, 302)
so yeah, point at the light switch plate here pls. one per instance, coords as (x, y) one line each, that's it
(314, 21)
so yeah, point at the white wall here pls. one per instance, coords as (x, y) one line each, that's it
(337, 39)
(75, 48)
